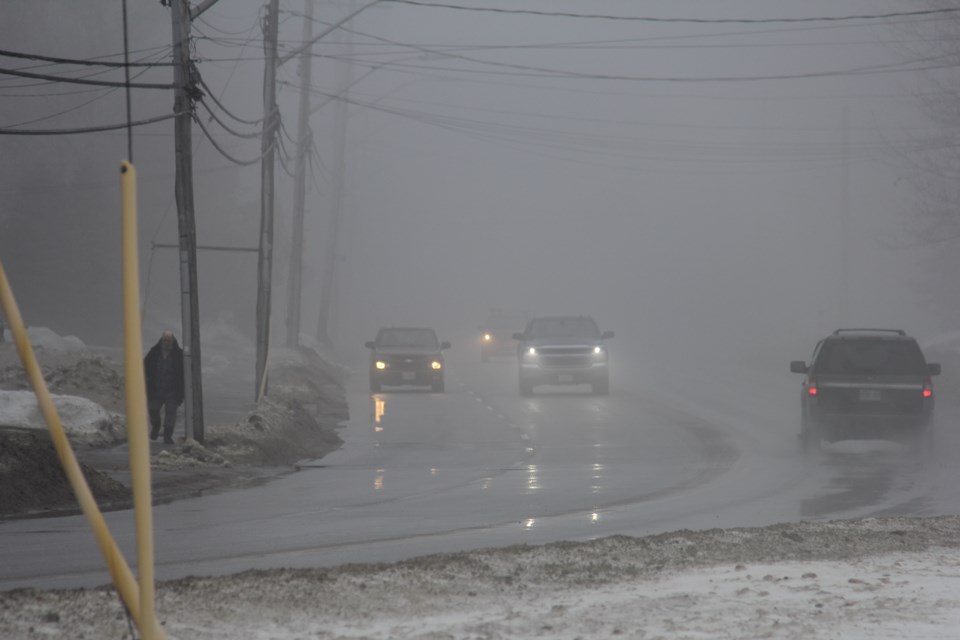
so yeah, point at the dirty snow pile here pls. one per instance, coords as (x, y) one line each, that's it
(866, 579)
(84, 421)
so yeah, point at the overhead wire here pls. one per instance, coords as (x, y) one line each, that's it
(94, 129)
(216, 101)
(224, 125)
(227, 154)
(100, 83)
(562, 73)
(509, 133)
(105, 93)
(597, 16)
(80, 61)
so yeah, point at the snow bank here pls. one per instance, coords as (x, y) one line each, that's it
(84, 421)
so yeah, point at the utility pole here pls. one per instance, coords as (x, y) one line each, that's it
(267, 149)
(186, 223)
(304, 140)
(330, 245)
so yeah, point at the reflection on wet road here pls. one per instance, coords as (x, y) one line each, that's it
(874, 476)
(480, 466)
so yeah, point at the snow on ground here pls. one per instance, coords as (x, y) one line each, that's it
(84, 421)
(858, 579)
(868, 579)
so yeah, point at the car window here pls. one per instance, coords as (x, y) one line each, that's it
(407, 338)
(864, 356)
(563, 328)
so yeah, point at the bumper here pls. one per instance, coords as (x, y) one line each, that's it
(833, 426)
(536, 374)
(406, 378)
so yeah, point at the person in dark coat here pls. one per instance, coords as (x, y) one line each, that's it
(163, 370)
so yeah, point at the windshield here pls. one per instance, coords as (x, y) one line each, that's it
(864, 356)
(563, 328)
(407, 338)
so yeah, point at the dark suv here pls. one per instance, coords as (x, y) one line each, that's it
(866, 384)
(563, 350)
(406, 356)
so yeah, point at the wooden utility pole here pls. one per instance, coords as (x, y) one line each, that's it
(186, 223)
(339, 177)
(304, 140)
(268, 139)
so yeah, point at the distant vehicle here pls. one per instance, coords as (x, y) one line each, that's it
(407, 356)
(496, 335)
(867, 384)
(563, 350)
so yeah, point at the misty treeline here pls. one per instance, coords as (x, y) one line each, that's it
(932, 166)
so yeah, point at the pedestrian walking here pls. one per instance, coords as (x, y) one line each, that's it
(163, 370)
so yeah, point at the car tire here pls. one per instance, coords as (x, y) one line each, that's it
(484, 356)
(374, 385)
(438, 386)
(526, 387)
(601, 386)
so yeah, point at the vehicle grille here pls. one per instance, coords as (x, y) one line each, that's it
(559, 357)
(409, 363)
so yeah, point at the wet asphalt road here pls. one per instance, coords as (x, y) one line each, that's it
(480, 466)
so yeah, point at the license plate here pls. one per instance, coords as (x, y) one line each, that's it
(869, 395)
(408, 375)
(565, 377)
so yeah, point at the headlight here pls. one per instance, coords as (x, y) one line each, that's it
(532, 351)
(487, 337)
(436, 364)
(597, 351)
(380, 364)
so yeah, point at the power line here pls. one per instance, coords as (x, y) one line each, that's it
(222, 107)
(562, 73)
(107, 127)
(597, 16)
(224, 152)
(76, 61)
(227, 128)
(544, 72)
(99, 83)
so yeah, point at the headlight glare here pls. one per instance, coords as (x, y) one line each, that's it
(487, 337)
(532, 351)
(436, 364)
(381, 365)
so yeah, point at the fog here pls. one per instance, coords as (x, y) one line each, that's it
(654, 175)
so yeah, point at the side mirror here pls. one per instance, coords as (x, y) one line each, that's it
(444, 345)
(370, 344)
(798, 366)
(518, 336)
(933, 368)
(607, 335)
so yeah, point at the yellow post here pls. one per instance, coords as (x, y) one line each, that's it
(116, 565)
(135, 390)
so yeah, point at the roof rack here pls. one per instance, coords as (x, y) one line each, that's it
(899, 332)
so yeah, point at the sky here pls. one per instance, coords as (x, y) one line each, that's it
(701, 188)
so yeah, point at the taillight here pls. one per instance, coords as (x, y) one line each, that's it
(927, 388)
(812, 387)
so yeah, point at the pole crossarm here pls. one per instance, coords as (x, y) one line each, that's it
(200, 8)
(200, 247)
